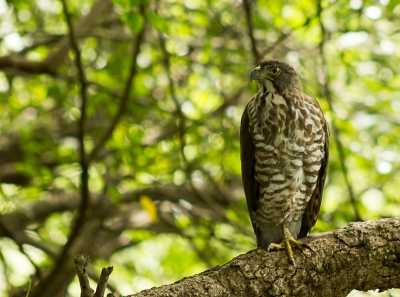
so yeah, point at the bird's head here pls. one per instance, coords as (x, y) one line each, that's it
(282, 76)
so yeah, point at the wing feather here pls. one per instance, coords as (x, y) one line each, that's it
(310, 215)
(247, 156)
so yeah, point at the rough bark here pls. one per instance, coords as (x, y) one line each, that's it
(362, 256)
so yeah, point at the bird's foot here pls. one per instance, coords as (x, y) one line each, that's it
(286, 244)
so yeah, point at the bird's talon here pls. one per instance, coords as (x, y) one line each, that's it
(286, 244)
(308, 247)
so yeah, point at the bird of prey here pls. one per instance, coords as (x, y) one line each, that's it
(284, 157)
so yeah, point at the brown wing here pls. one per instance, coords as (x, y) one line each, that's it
(247, 156)
(310, 215)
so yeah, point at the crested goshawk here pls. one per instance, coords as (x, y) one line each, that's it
(284, 156)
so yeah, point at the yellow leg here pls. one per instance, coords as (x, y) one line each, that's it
(286, 244)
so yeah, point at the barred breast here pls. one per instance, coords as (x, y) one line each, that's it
(289, 146)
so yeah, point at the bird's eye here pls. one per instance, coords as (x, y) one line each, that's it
(274, 71)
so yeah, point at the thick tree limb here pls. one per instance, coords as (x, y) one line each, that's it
(362, 256)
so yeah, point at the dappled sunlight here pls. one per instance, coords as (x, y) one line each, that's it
(165, 85)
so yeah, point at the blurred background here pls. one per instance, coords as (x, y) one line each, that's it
(153, 94)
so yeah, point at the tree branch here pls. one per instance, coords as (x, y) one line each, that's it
(250, 29)
(84, 162)
(18, 62)
(126, 95)
(84, 25)
(63, 257)
(181, 123)
(86, 291)
(362, 256)
(181, 119)
(80, 267)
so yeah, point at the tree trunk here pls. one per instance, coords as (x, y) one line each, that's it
(362, 256)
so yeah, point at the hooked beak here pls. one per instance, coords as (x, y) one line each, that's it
(255, 75)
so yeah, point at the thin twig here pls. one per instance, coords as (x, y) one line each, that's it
(182, 129)
(9, 232)
(181, 123)
(85, 196)
(126, 94)
(84, 164)
(250, 31)
(84, 24)
(284, 35)
(335, 130)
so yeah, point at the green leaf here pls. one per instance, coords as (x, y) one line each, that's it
(158, 22)
(134, 20)
(127, 4)
(392, 4)
(135, 3)
(122, 3)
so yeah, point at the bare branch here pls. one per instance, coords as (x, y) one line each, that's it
(81, 270)
(80, 266)
(102, 284)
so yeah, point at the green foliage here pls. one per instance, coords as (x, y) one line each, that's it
(166, 198)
